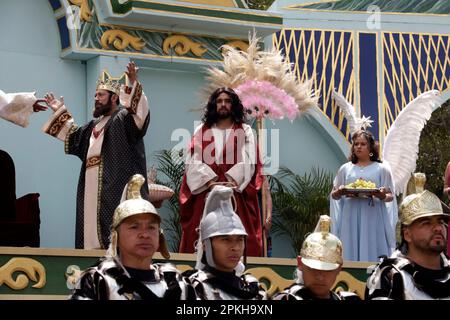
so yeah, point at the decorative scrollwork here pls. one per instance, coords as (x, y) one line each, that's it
(85, 9)
(121, 39)
(30, 267)
(183, 45)
(238, 44)
(352, 284)
(276, 282)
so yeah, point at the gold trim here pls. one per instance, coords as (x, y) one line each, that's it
(143, 55)
(223, 3)
(242, 22)
(116, 26)
(276, 282)
(72, 129)
(121, 39)
(182, 45)
(238, 44)
(134, 102)
(58, 123)
(352, 284)
(85, 13)
(174, 256)
(93, 161)
(28, 266)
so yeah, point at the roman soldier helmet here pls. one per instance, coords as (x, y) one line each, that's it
(322, 250)
(133, 204)
(218, 219)
(419, 205)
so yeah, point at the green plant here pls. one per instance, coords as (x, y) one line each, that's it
(298, 201)
(171, 165)
(434, 149)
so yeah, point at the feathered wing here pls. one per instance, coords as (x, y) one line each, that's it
(401, 145)
(348, 110)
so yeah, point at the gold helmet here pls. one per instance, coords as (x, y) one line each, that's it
(133, 204)
(322, 250)
(419, 205)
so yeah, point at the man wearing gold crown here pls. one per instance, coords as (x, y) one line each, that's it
(418, 269)
(127, 271)
(111, 148)
(319, 264)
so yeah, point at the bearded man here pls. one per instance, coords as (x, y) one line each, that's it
(111, 148)
(223, 151)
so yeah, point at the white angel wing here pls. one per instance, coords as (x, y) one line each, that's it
(355, 123)
(401, 145)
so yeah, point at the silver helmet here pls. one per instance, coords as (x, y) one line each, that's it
(218, 219)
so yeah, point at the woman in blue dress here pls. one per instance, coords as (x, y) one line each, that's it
(366, 225)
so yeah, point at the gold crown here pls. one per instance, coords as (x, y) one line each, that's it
(322, 250)
(106, 82)
(419, 205)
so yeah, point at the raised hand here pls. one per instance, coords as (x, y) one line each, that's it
(52, 102)
(132, 71)
(38, 106)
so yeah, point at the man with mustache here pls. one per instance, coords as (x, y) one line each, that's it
(222, 151)
(418, 269)
(111, 148)
(128, 271)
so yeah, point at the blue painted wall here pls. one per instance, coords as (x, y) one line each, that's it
(29, 60)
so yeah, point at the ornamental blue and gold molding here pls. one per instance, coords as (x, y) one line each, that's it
(55, 271)
(84, 33)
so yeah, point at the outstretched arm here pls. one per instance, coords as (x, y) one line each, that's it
(61, 122)
(17, 107)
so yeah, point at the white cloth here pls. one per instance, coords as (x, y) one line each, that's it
(198, 173)
(17, 107)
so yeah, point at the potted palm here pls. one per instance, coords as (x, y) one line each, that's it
(298, 201)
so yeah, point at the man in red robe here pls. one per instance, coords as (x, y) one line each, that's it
(222, 151)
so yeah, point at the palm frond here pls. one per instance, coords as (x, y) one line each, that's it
(298, 201)
(171, 165)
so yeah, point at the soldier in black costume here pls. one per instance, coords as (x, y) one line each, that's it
(220, 248)
(418, 269)
(127, 271)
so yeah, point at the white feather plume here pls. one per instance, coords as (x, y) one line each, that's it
(239, 66)
(401, 145)
(355, 122)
